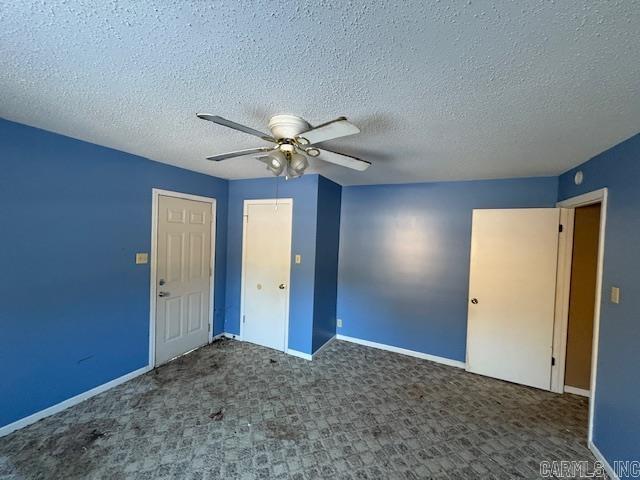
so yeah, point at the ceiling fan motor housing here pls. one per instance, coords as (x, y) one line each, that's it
(287, 126)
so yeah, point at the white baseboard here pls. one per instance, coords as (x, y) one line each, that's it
(307, 356)
(23, 422)
(298, 354)
(596, 453)
(288, 351)
(403, 351)
(577, 391)
(325, 345)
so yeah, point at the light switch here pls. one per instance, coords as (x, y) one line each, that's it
(339, 323)
(142, 258)
(298, 258)
(615, 295)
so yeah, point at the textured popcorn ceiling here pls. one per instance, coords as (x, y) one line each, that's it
(442, 90)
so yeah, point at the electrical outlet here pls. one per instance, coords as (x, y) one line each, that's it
(298, 259)
(615, 295)
(339, 323)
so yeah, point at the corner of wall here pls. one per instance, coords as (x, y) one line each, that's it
(326, 262)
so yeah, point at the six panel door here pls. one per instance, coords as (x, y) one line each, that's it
(183, 276)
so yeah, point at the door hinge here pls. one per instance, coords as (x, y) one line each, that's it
(561, 228)
(553, 361)
(243, 318)
(208, 327)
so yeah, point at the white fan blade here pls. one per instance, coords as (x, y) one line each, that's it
(239, 153)
(343, 160)
(340, 127)
(235, 126)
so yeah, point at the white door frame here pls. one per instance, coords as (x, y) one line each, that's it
(156, 193)
(564, 283)
(264, 201)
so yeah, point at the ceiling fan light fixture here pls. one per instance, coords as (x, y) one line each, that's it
(298, 163)
(291, 173)
(277, 162)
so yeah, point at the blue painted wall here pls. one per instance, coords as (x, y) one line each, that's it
(74, 309)
(79, 212)
(304, 192)
(327, 246)
(617, 400)
(404, 258)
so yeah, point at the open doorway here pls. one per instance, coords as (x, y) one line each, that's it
(582, 299)
(579, 297)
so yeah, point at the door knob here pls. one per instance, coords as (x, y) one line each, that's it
(163, 294)
(474, 301)
(282, 286)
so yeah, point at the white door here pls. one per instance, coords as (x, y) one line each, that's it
(183, 276)
(265, 270)
(512, 288)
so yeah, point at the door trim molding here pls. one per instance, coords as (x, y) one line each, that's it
(563, 282)
(589, 198)
(264, 201)
(155, 194)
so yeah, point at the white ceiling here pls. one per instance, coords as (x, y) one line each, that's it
(441, 90)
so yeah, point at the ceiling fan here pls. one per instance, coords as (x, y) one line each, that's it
(295, 140)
